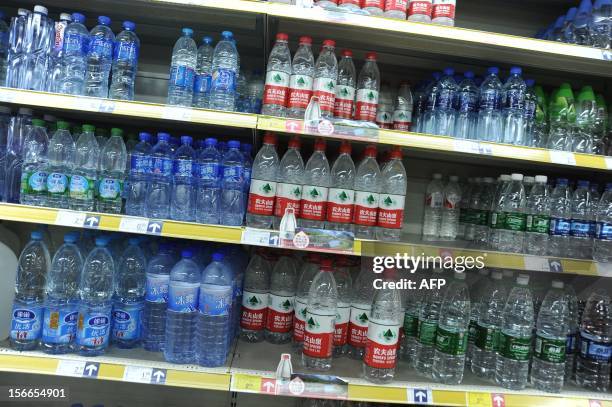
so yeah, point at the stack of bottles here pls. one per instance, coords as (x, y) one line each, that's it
(588, 24)
(63, 56)
(366, 199)
(522, 214)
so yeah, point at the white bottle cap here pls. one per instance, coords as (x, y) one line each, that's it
(41, 10)
(528, 180)
(26, 111)
(437, 176)
(483, 272)
(453, 178)
(517, 177)
(541, 179)
(488, 180)
(496, 275)
(5, 109)
(459, 275)
(522, 279)
(505, 177)
(65, 16)
(23, 12)
(557, 284)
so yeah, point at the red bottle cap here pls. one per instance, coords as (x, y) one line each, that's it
(269, 138)
(326, 265)
(305, 40)
(329, 43)
(295, 143)
(396, 152)
(370, 151)
(345, 147)
(282, 37)
(319, 145)
(371, 56)
(347, 53)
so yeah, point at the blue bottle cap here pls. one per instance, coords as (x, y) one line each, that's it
(207, 40)
(227, 35)
(562, 181)
(104, 20)
(163, 137)
(144, 136)
(134, 241)
(233, 144)
(101, 241)
(493, 70)
(210, 141)
(187, 31)
(449, 71)
(186, 140)
(437, 75)
(468, 74)
(585, 7)
(78, 18)
(36, 235)
(187, 254)
(516, 70)
(571, 14)
(583, 183)
(129, 25)
(559, 22)
(217, 256)
(71, 237)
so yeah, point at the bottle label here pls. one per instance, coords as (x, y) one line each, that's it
(560, 226)
(402, 120)
(358, 325)
(571, 342)
(592, 349)
(396, 5)
(280, 313)
(434, 200)
(381, 346)
(472, 330)
(287, 196)
(538, 224)
(479, 217)
(109, 188)
(445, 98)
(419, 7)
(57, 183)
(325, 90)
(426, 334)
(224, 81)
(487, 338)
(515, 348)
(261, 197)
(183, 297)
(340, 206)
(391, 211)
(489, 100)
(580, 228)
(81, 187)
(411, 325)
(203, 83)
(254, 310)
(497, 220)
(345, 99)
(34, 182)
(232, 173)
(26, 322)
(550, 350)
(299, 320)
(161, 166)
(603, 231)
(93, 329)
(467, 102)
(373, 4)
(367, 102)
(319, 334)
(156, 289)
(101, 47)
(451, 343)
(58, 44)
(60, 324)
(215, 300)
(182, 168)
(75, 43)
(530, 109)
(452, 201)
(353, 2)
(126, 51)
(366, 208)
(208, 171)
(127, 322)
(384, 118)
(300, 91)
(515, 221)
(275, 91)
(314, 202)
(513, 99)
(343, 316)
(443, 8)
(140, 164)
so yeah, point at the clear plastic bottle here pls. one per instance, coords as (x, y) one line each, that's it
(247, 170)
(203, 74)
(341, 197)
(420, 10)
(349, 5)
(534, 137)
(182, 70)
(182, 200)
(60, 160)
(316, 188)
(561, 118)
(584, 128)
(602, 244)
(344, 284)
(37, 47)
(513, 107)
(449, 223)
(600, 126)
(432, 218)
(232, 186)
(581, 23)
(99, 59)
(125, 63)
(112, 173)
(374, 7)
(160, 179)
(84, 176)
(140, 168)
(538, 218)
(325, 78)
(76, 44)
(467, 102)
(443, 12)
(496, 217)
(4, 49)
(402, 115)
(33, 171)
(412, 305)
(429, 315)
(290, 179)
(255, 92)
(279, 320)
(483, 212)
(512, 234)
(560, 219)
(396, 9)
(367, 190)
(225, 70)
(255, 299)
(445, 113)
(478, 287)
(344, 104)
(392, 198)
(600, 27)
(308, 271)
(580, 242)
(470, 192)
(263, 185)
(490, 126)
(361, 307)
(571, 342)
(301, 80)
(208, 178)
(277, 78)
(385, 108)
(368, 86)
(427, 121)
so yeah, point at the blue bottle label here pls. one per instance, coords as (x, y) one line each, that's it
(202, 84)
(232, 173)
(183, 297)
(514, 99)
(126, 51)
(94, 329)
(215, 300)
(139, 164)
(57, 183)
(246, 173)
(224, 80)
(594, 350)
(101, 47)
(37, 181)
(109, 188)
(157, 288)
(530, 109)
(560, 227)
(126, 321)
(570, 343)
(466, 102)
(580, 228)
(75, 43)
(444, 100)
(26, 322)
(181, 76)
(81, 187)
(489, 100)
(183, 168)
(208, 171)
(603, 231)
(161, 166)
(60, 325)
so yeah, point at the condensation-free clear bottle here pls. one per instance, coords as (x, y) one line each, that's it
(277, 78)
(367, 190)
(313, 205)
(260, 209)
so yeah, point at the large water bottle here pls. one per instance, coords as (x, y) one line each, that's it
(140, 168)
(412, 305)
(481, 215)
(33, 173)
(512, 234)
(60, 160)
(560, 219)
(512, 366)
(232, 186)
(600, 27)
(84, 177)
(467, 101)
(263, 185)
(308, 271)
(432, 217)
(74, 64)
(429, 315)
(571, 342)
(562, 115)
(344, 105)
(584, 128)
(444, 108)
(301, 80)
(344, 285)
(203, 74)
(182, 70)
(313, 206)
(581, 23)
(325, 78)
(580, 242)
(16, 48)
(27, 313)
(208, 179)
(367, 189)
(225, 69)
(255, 299)
(290, 179)
(537, 225)
(361, 307)
(534, 134)
(99, 58)
(277, 78)
(95, 300)
(57, 54)
(18, 127)
(183, 292)
(160, 179)
(37, 46)
(602, 244)
(341, 197)
(368, 86)
(513, 108)
(279, 320)
(182, 201)
(600, 126)
(489, 109)
(125, 63)
(156, 298)
(392, 198)
(320, 320)
(449, 223)
(112, 173)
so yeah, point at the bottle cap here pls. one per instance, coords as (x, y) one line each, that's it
(65, 16)
(529, 82)
(326, 264)
(517, 177)
(217, 256)
(516, 70)
(233, 144)
(282, 37)
(468, 74)
(187, 31)
(129, 25)
(583, 183)
(559, 22)
(586, 94)
(36, 235)
(227, 34)
(41, 10)
(437, 176)
(557, 284)
(305, 40)
(104, 20)
(505, 177)
(71, 237)
(116, 132)
(396, 153)
(541, 179)
(370, 151)
(562, 181)
(459, 275)
(163, 137)
(78, 18)
(269, 138)
(144, 136)
(449, 71)
(347, 53)
(38, 123)
(345, 147)
(329, 43)
(63, 125)
(371, 56)
(585, 7)
(186, 140)
(211, 141)
(319, 145)
(488, 180)
(101, 241)
(571, 14)
(295, 143)
(493, 70)
(186, 254)
(522, 279)
(528, 180)
(496, 275)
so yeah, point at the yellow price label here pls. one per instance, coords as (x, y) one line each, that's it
(479, 399)
(246, 383)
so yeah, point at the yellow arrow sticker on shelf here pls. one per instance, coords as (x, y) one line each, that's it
(246, 383)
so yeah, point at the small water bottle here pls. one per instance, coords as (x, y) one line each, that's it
(203, 71)
(182, 201)
(182, 70)
(76, 45)
(208, 183)
(159, 189)
(232, 188)
(224, 74)
(125, 63)
(99, 59)
(140, 168)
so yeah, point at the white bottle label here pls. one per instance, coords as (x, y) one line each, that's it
(443, 8)
(314, 202)
(280, 313)
(300, 91)
(341, 205)
(391, 211)
(325, 90)
(287, 196)
(261, 197)
(381, 347)
(275, 91)
(367, 102)
(366, 208)
(345, 99)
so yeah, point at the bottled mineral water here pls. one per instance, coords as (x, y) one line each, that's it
(290, 178)
(255, 92)
(255, 299)
(581, 23)
(203, 74)
(392, 197)
(341, 197)
(320, 320)
(600, 27)
(419, 10)
(208, 183)
(538, 218)
(562, 115)
(571, 342)
(445, 112)
(601, 121)
(182, 70)
(313, 206)
(60, 159)
(513, 108)
(76, 44)
(55, 68)
(128, 301)
(384, 110)
(99, 58)
(512, 365)
(16, 48)
(260, 209)
(277, 78)
(301, 79)
(247, 170)
(496, 218)
(95, 300)
(361, 307)
(182, 200)
(534, 136)
(160, 179)
(84, 176)
(156, 298)
(279, 321)
(434, 198)
(232, 186)
(512, 234)
(470, 193)
(213, 318)
(309, 270)
(368, 86)
(560, 219)
(467, 101)
(449, 223)
(583, 129)
(427, 122)
(344, 284)
(396, 9)
(37, 40)
(443, 12)
(489, 109)
(344, 105)
(11, 166)
(602, 244)
(183, 290)
(548, 368)
(138, 176)
(27, 313)
(568, 34)
(112, 173)
(483, 209)
(410, 326)
(367, 189)
(402, 115)
(452, 332)
(125, 63)
(580, 242)
(225, 69)
(62, 294)
(429, 315)
(477, 289)
(33, 172)
(325, 78)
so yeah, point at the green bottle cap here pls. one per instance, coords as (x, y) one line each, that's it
(89, 128)
(116, 132)
(586, 94)
(38, 123)
(62, 125)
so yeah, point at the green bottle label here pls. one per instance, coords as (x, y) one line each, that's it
(483, 217)
(487, 338)
(411, 325)
(497, 220)
(550, 350)
(515, 221)
(81, 187)
(427, 333)
(472, 329)
(451, 343)
(463, 215)
(537, 224)
(514, 348)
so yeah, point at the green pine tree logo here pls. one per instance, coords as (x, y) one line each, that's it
(388, 335)
(385, 116)
(370, 200)
(253, 301)
(286, 304)
(277, 78)
(314, 193)
(312, 323)
(303, 312)
(388, 201)
(370, 95)
(330, 86)
(344, 92)
(266, 188)
(402, 115)
(301, 81)
(363, 318)
(297, 192)
(343, 196)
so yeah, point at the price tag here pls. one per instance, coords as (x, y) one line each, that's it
(70, 218)
(246, 383)
(466, 146)
(176, 113)
(476, 399)
(74, 368)
(608, 162)
(536, 263)
(606, 54)
(95, 104)
(258, 237)
(133, 225)
(604, 269)
(562, 157)
(138, 374)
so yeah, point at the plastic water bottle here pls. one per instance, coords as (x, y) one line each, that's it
(203, 74)
(548, 368)
(600, 27)
(344, 285)
(384, 110)
(76, 45)
(224, 74)
(396, 9)
(426, 122)
(602, 243)
(37, 47)
(308, 271)
(444, 108)
(128, 302)
(27, 313)
(232, 186)
(434, 198)
(580, 242)
(208, 179)
(568, 35)
(95, 300)
(481, 218)
(392, 197)
(512, 234)
(513, 107)
(241, 92)
(512, 366)
(281, 298)
(534, 134)
(449, 223)
(402, 115)
(344, 105)
(156, 298)
(443, 12)
(33, 174)
(99, 59)
(557, 30)
(55, 68)
(60, 159)
(412, 304)
(426, 331)
(496, 218)
(182, 201)
(84, 176)
(367, 189)
(277, 78)
(325, 78)
(571, 342)
(313, 206)
(263, 185)
(112, 173)
(420, 10)
(538, 218)
(320, 320)
(255, 299)
(593, 363)
(160, 179)
(16, 48)
(140, 168)
(467, 100)
(290, 178)
(561, 117)
(368, 86)
(361, 307)
(489, 110)
(601, 119)
(341, 196)
(581, 23)
(583, 129)
(301, 80)
(247, 169)
(560, 219)
(255, 92)
(125, 63)
(183, 290)
(182, 70)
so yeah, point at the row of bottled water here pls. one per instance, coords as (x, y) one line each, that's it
(366, 199)
(522, 214)
(63, 56)
(588, 24)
